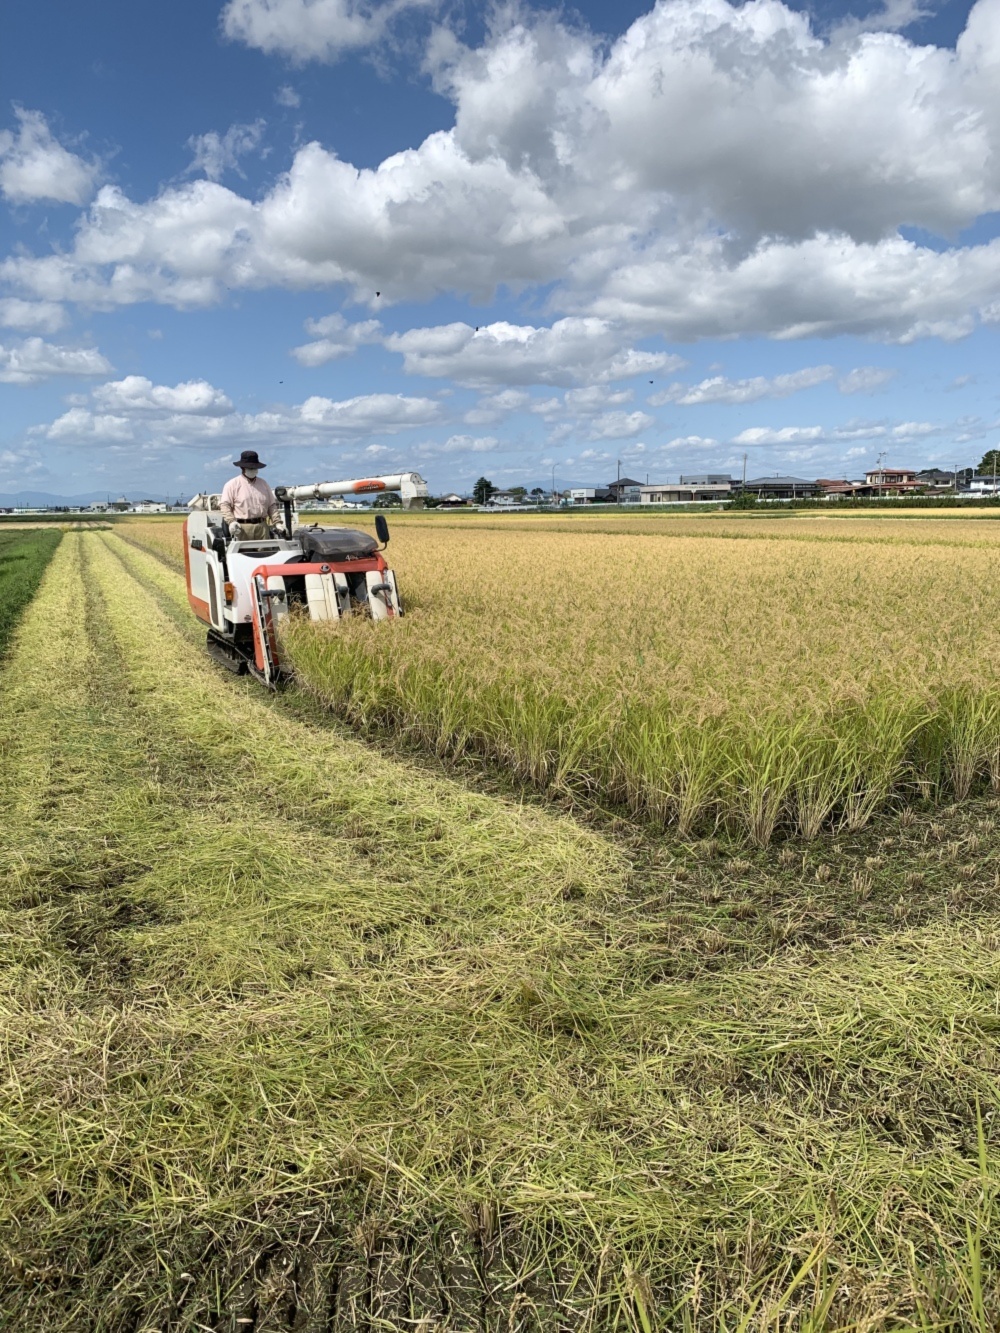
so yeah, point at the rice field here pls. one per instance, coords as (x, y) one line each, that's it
(304, 1033)
(760, 683)
(766, 676)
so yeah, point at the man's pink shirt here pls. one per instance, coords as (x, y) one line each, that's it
(247, 501)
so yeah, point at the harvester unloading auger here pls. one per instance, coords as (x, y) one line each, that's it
(242, 589)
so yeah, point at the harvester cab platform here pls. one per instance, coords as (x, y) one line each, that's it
(243, 589)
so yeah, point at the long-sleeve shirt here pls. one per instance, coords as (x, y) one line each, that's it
(248, 501)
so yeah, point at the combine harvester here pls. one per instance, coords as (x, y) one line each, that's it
(242, 589)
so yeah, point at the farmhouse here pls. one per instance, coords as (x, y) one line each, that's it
(664, 493)
(508, 500)
(781, 488)
(836, 490)
(625, 491)
(934, 479)
(892, 480)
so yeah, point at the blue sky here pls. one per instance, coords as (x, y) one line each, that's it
(511, 241)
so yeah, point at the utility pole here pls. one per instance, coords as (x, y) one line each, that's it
(553, 483)
(956, 481)
(618, 488)
(744, 472)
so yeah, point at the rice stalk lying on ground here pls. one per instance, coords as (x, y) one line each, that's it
(305, 1038)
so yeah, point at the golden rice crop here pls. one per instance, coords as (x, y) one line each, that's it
(962, 527)
(760, 681)
(164, 536)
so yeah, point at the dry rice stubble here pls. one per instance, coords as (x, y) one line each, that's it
(776, 1079)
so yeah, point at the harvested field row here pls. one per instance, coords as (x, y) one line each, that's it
(298, 1037)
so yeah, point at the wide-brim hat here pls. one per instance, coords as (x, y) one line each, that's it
(248, 458)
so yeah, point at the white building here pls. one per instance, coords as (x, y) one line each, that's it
(666, 493)
(509, 501)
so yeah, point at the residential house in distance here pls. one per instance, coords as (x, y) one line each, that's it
(665, 493)
(781, 488)
(984, 486)
(708, 479)
(836, 490)
(510, 501)
(892, 480)
(589, 495)
(453, 501)
(625, 491)
(934, 479)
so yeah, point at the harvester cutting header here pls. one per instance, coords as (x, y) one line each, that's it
(242, 585)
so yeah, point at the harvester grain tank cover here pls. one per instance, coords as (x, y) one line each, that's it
(337, 544)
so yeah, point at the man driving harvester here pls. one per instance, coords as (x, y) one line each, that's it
(247, 502)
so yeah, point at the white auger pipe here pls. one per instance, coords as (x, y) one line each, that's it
(411, 487)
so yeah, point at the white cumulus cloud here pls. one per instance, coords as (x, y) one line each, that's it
(370, 412)
(620, 425)
(692, 442)
(135, 393)
(569, 351)
(494, 407)
(718, 389)
(33, 360)
(43, 316)
(18, 465)
(35, 167)
(335, 338)
(717, 170)
(310, 29)
(865, 379)
(784, 435)
(196, 414)
(459, 444)
(215, 153)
